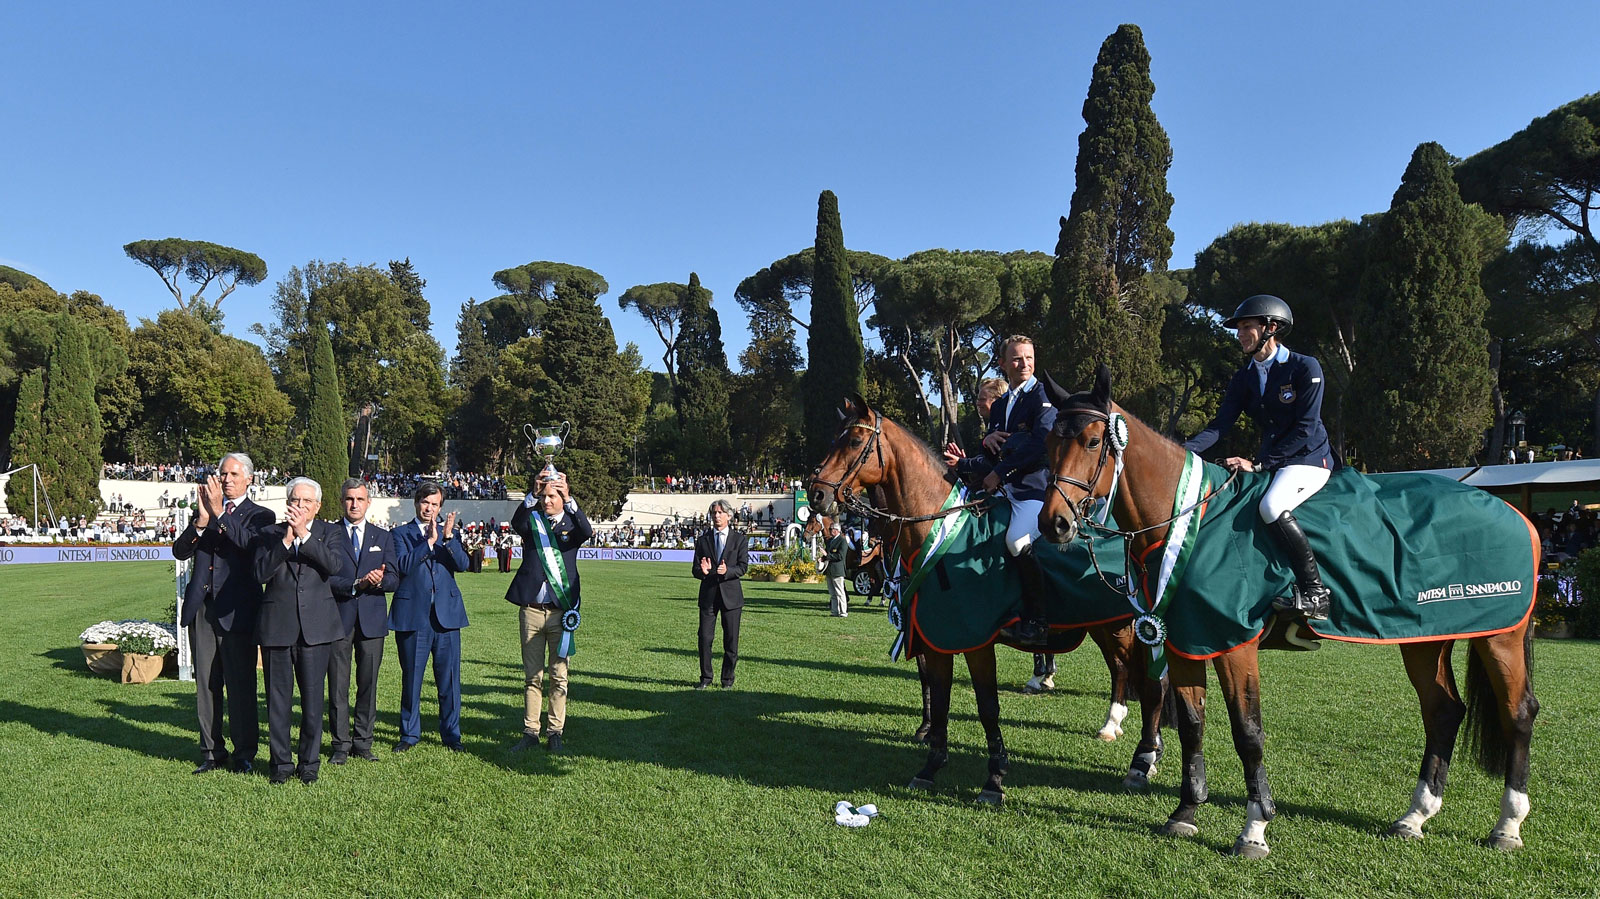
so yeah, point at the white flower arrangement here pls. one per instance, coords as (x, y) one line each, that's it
(164, 637)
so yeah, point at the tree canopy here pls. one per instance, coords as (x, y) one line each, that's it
(834, 351)
(202, 263)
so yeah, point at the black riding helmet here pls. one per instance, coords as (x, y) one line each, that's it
(1265, 306)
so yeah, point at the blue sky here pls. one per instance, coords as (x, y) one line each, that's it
(648, 140)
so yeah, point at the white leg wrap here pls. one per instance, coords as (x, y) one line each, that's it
(1513, 808)
(1049, 682)
(1254, 835)
(1113, 725)
(1424, 805)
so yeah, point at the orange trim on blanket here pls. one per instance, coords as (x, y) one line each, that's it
(923, 636)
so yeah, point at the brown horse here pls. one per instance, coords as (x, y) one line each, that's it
(1083, 457)
(905, 482)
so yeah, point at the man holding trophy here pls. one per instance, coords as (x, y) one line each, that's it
(552, 528)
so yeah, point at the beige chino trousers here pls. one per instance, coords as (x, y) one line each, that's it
(541, 637)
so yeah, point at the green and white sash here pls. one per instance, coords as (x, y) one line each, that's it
(902, 587)
(1150, 627)
(555, 574)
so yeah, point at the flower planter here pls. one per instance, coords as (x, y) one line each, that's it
(138, 668)
(102, 658)
(781, 578)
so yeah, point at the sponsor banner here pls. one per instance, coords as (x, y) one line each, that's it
(36, 555)
(647, 554)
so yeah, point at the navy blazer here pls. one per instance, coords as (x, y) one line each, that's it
(1288, 412)
(736, 552)
(427, 595)
(572, 533)
(365, 612)
(223, 575)
(298, 603)
(1023, 462)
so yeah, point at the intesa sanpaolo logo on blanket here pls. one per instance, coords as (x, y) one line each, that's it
(1469, 591)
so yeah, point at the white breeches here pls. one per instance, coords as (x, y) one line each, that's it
(1024, 527)
(1291, 486)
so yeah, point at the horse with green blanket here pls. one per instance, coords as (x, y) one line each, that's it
(951, 591)
(1412, 559)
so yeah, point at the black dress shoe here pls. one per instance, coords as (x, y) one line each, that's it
(241, 766)
(208, 765)
(700, 686)
(727, 685)
(527, 742)
(403, 747)
(307, 778)
(555, 741)
(365, 754)
(454, 747)
(282, 777)
(338, 758)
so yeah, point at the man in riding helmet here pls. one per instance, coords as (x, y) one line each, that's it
(1282, 392)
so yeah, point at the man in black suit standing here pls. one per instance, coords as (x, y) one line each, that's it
(365, 614)
(299, 622)
(721, 555)
(219, 609)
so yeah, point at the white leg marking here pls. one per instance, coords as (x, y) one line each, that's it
(1513, 808)
(1113, 725)
(1252, 842)
(1424, 805)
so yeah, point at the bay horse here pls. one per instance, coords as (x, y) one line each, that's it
(879, 468)
(1084, 457)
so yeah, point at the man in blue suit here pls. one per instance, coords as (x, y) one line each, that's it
(428, 615)
(365, 613)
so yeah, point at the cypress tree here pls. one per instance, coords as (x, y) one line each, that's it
(327, 455)
(582, 380)
(1423, 370)
(1115, 232)
(835, 358)
(70, 460)
(702, 384)
(27, 444)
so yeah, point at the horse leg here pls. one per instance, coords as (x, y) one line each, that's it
(1152, 693)
(1499, 671)
(1187, 678)
(986, 686)
(1239, 678)
(936, 684)
(1428, 667)
(921, 733)
(1116, 654)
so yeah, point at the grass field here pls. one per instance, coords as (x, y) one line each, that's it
(665, 791)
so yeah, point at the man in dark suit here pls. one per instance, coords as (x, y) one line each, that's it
(427, 616)
(721, 555)
(834, 549)
(219, 609)
(298, 623)
(548, 517)
(365, 614)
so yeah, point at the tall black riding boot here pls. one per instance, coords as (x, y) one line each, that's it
(1310, 596)
(1032, 632)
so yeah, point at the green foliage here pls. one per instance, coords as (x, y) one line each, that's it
(27, 444)
(202, 263)
(205, 394)
(1547, 174)
(327, 456)
(1588, 584)
(834, 352)
(1422, 369)
(1102, 309)
(702, 385)
(70, 458)
(479, 435)
(18, 279)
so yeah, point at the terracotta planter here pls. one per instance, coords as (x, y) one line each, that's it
(102, 658)
(781, 578)
(138, 668)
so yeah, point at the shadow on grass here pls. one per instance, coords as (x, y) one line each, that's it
(123, 726)
(69, 659)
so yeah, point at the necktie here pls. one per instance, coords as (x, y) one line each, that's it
(227, 507)
(719, 546)
(355, 540)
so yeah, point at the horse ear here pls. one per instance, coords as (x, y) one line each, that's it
(1102, 386)
(853, 401)
(1058, 397)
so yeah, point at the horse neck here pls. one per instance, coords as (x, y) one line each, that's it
(912, 485)
(1151, 466)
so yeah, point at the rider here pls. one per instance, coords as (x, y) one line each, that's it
(1282, 392)
(1019, 421)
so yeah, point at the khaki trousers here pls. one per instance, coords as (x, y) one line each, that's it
(541, 637)
(838, 600)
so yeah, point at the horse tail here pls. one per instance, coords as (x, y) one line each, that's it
(1486, 727)
(1169, 703)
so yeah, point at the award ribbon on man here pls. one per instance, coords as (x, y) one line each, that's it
(548, 443)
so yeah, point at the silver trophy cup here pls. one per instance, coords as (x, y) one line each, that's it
(548, 443)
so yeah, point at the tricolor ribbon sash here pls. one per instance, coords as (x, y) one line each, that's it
(907, 575)
(1185, 527)
(555, 574)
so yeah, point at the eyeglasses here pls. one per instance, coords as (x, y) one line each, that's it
(302, 500)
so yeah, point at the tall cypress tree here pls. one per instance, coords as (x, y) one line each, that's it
(71, 456)
(1115, 232)
(327, 455)
(834, 354)
(1423, 370)
(702, 384)
(27, 444)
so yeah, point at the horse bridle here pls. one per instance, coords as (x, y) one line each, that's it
(1080, 508)
(852, 500)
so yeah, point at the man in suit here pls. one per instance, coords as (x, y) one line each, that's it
(219, 609)
(298, 622)
(721, 555)
(834, 549)
(546, 587)
(427, 616)
(365, 614)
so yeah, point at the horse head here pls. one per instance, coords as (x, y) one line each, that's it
(855, 460)
(1079, 446)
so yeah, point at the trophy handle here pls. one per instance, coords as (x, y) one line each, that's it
(529, 432)
(566, 430)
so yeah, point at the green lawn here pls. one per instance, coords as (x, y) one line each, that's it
(672, 792)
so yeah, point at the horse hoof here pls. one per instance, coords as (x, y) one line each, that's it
(921, 734)
(1176, 828)
(921, 783)
(1401, 831)
(1108, 734)
(1137, 780)
(1250, 849)
(1504, 842)
(991, 798)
